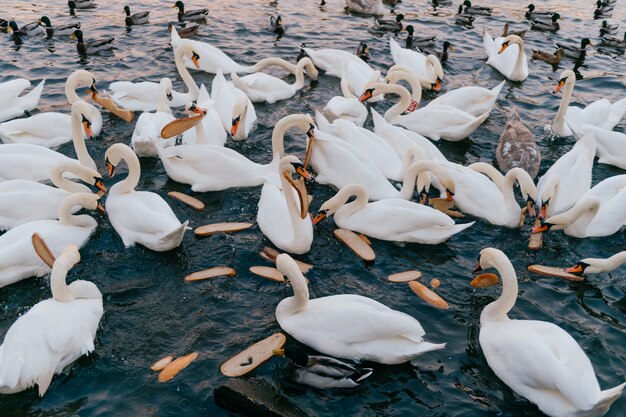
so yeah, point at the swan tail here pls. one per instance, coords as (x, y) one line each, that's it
(10, 369)
(607, 398)
(174, 237)
(30, 100)
(424, 347)
(488, 43)
(496, 90)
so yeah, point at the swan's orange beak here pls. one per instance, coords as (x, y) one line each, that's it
(504, 46)
(449, 195)
(87, 127)
(100, 208)
(321, 215)
(436, 86)
(367, 94)
(542, 227)
(558, 86)
(578, 269)
(235, 126)
(478, 268)
(195, 58)
(100, 185)
(110, 167)
(304, 173)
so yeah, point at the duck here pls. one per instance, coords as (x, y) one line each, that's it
(91, 47)
(261, 87)
(60, 30)
(144, 96)
(326, 324)
(395, 220)
(596, 265)
(14, 104)
(39, 201)
(234, 108)
(140, 18)
(575, 52)
(604, 6)
(599, 212)
(443, 54)
(197, 14)
(34, 163)
(610, 145)
(30, 29)
(363, 51)
(51, 129)
(600, 113)
(435, 122)
(537, 359)
(506, 32)
(19, 259)
(517, 147)
(139, 217)
(214, 168)
(568, 179)
(552, 26)
(602, 12)
(323, 371)
(480, 10)
(532, 14)
(614, 41)
(553, 59)
(394, 25)
(373, 7)
(413, 42)
(608, 29)
(462, 18)
(80, 4)
(53, 333)
(427, 68)
(276, 23)
(509, 61)
(186, 31)
(283, 209)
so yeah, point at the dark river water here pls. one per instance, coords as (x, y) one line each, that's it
(150, 312)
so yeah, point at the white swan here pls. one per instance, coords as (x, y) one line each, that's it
(373, 7)
(51, 129)
(348, 326)
(18, 259)
(597, 265)
(392, 219)
(428, 69)
(599, 212)
(537, 359)
(565, 182)
(283, 216)
(23, 201)
(262, 87)
(434, 122)
(234, 107)
(610, 147)
(507, 56)
(213, 168)
(35, 163)
(53, 333)
(600, 113)
(14, 105)
(346, 107)
(139, 216)
(144, 96)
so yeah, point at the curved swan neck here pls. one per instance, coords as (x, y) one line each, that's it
(201, 138)
(65, 211)
(162, 106)
(559, 119)
(129, 183)
(77, 138)
(58, 285)
(497, 310)
(79, 78)
(411, 79)
(411, 174)
(304, 62)
(519, 62)
(266, 62)
(57, 178)
(194, 91)
(345, 88)
(582, 213)
(339, 200)
(280, 129)
(401, 106)
(300, 289)
(611, 263)
(292, 205)
(525, 182)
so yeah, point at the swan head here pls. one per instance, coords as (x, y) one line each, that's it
(188, 51)
(239, 111)
(166, 87)
(583, 266)
(82, 78)
(115, 154)
(89, 176)
(85, 113)
(331, 206)
(510, 40)
(489, 258)
(567, 76)
(587, 207)
(192, 108)
(290, 164)
(436, 65)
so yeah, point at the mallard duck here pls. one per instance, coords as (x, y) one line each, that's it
(518, 147)
(413, 42)
(185, 32)
(551, 26)
(26, 30)
(135, 19)
(80, 4)
(198, 14)
(604, 6)
(553, 59)
(443, 55)
(277, 25)
(58, 30)
(602, 11)
(575, 52)
(90, 47)
(481, 10)
(4, 25)
(614, 41)
(607, 29)
(463, 18)
(532, 14)
(363, 52)
(506, 32)
(392, 25)
(323, 371)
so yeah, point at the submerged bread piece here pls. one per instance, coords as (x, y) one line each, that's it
(218, 271)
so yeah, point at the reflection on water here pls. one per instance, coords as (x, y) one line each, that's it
(150, 312)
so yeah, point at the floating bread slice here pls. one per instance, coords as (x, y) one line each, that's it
(268, 272)
(536, 239)
(270, 254)
(356, 244)
(179, 126)
(255, 355)
(428, 295)
(484, 280)
(107, 103)
(173, 368)
(218, 271)
(162, 363)
(42, 250)
(445, 206)
(554, 272)
(211, 229)
(187, 199)
(405, 276)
